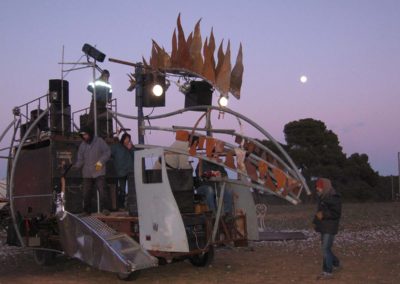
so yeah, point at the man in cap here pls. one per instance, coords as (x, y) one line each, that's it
(326, 222)
(93, 153)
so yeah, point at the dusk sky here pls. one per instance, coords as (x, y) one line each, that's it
(348, 49)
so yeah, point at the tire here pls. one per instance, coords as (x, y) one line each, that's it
(204, 259)
(128, 276)
(43, 257)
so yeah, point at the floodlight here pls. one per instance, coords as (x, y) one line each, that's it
(223, 101)
(93, 52)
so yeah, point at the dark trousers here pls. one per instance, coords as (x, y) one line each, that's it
(131, 200)
(121, 193)
(90, 187)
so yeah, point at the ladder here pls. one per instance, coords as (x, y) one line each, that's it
(93, 242)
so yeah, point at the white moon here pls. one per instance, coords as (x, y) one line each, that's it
(303, 79)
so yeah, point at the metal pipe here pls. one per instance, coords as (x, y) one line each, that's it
(7, 128)
(62, 93)
(94, 99)
(219, 209)
(139, 101)
(10, 152)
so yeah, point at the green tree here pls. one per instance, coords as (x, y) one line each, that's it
(314, 148)
(317, 151)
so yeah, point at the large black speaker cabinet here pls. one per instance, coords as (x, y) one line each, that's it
(43, 123)
(56, 117)
(55, 87)
(200, 93)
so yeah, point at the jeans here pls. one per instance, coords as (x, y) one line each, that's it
(209, 193)
(329, 259)
(90, 185)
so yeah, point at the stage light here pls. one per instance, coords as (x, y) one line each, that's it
(223, 101)
(154, 87)
(157, 90)
(93, 52)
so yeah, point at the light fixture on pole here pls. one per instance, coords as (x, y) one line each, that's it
(223, 100)
(93, 52)
(154, 88)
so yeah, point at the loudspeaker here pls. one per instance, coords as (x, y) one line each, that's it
(83, 121)
(43, 124)
(200, 93)
(24, 127)
(55, 86)
(56, 118)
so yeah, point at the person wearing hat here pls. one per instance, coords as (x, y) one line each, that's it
(93, 153)
(326, 222)
(103, 96)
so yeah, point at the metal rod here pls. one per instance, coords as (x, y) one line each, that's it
(139, 101)
(7, 129)
(62, 94)
(219, 209)
(94, 99)
(10, 152)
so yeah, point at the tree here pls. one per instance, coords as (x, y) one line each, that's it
(314, 148)
(317, 151)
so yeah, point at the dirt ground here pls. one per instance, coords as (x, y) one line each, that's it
(368, 245)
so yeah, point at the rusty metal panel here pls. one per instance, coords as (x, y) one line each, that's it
(32, 186)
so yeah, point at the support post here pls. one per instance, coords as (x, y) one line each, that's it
(94, 99)
(139, 101)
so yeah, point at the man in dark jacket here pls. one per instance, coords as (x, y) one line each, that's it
(93, 153)
(123, 154)
(326, 222)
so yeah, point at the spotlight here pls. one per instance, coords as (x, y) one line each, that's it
(93, 52)
(157, 90)
(154, 87)
(223, 101)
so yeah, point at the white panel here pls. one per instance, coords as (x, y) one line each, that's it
(245, 201)
(160, 222)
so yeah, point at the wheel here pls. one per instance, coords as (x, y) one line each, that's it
(44, 257)
(203, 259)
(162, 261)
(128, 276)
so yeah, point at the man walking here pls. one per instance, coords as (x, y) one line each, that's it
(326, 222)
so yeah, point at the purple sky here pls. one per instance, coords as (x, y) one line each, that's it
(350, 51)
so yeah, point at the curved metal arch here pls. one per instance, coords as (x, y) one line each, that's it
(7, 129)
(244, 118)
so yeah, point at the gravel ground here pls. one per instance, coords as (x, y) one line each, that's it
(368, 246)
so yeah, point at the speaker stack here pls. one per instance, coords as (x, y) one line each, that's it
(59, 97)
